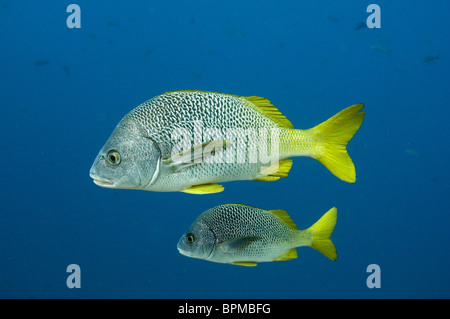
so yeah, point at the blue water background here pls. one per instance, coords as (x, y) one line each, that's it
(308, 59)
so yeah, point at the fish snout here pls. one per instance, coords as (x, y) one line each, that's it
(101, 181)
(180, 247)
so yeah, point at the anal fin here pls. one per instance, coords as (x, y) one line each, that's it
(276, 171)
(268, 178)
(290, 254)
(245, 263)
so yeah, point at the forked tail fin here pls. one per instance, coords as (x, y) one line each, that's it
(321, 232)
(333, 136)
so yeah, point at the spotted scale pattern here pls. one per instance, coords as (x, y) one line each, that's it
(236, 221)
(163, 114)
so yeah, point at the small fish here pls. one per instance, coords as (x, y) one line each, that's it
(379, 48)
(41, 62)
(237, 30)
(148, 52)
(189, 141)
(113, 24)
(431, 58)
(66, 70)
(196, 75)
(383, 40)
(360, 25)
(332, 18)
(245, 235)
(412, 152)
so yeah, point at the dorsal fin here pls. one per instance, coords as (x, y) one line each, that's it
(197, 91)
(285, 218)
(261, 104)
(264, 106)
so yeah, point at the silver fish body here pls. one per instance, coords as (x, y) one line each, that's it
(244, 235)
(162, 144)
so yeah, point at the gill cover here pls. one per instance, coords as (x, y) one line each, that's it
(199, 241)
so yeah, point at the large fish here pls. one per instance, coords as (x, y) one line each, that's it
(244, 235)
(191, 140)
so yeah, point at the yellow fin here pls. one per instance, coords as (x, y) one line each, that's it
(261, 104)
(321, 232)
(268, 178)
(276, 170)
(204, 189)
(265, 107)
(333, 136)
(245, 263)
(284, 217)
(290, 254)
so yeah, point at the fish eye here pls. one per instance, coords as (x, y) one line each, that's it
(113, 157)
(190, 238)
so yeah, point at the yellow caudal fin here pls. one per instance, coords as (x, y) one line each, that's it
(321, 232)
(333, 136)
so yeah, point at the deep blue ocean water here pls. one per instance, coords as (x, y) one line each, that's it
(64, 90)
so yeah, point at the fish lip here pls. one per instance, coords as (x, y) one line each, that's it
(101, 181)
(181, 251)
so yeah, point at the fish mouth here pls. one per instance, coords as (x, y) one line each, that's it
(181, 251)
(101, 181)
(179, 247)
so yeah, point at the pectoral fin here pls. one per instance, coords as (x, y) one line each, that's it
(197, 154)
(237, 243)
